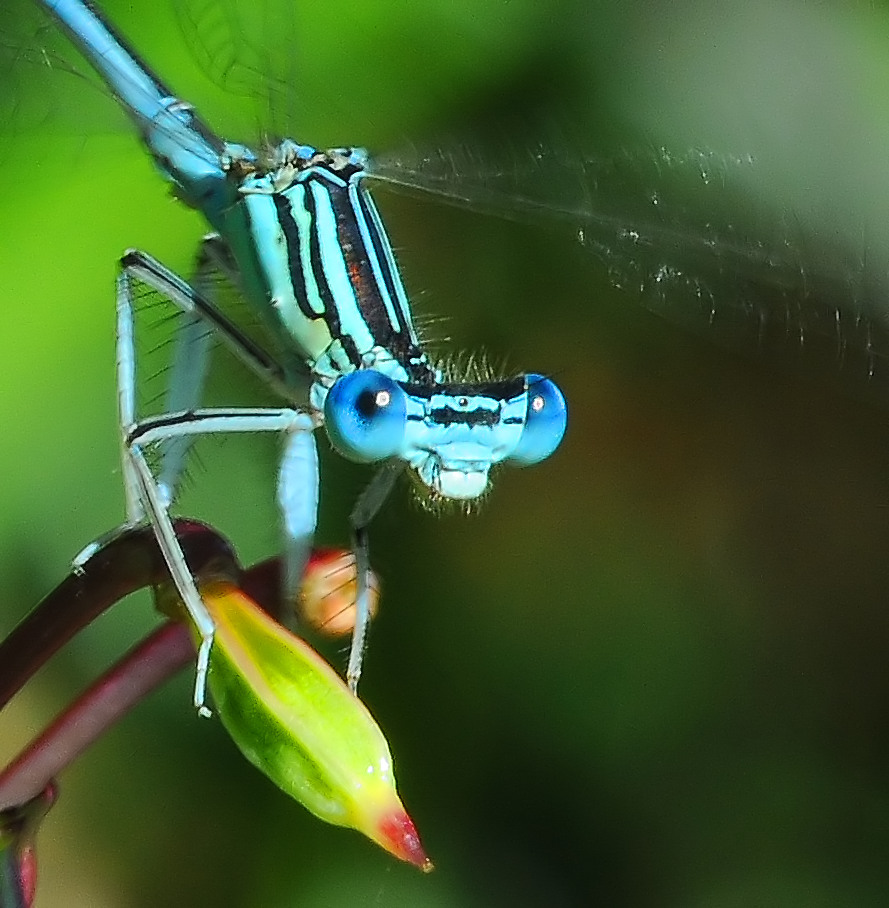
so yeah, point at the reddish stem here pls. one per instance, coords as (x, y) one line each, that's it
(108, 699)
(127, 560)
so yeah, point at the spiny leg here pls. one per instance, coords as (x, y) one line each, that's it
(156, 510)
(298, 475)
(158, 430)
(192, 347)
(126, 395)
(366, 508)
(184, 392)
(148, 498)
(191, 360)
(151, 272)
(216, 258)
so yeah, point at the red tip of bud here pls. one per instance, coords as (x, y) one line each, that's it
(398, 835)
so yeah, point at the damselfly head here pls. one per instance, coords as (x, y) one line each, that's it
(450, 434)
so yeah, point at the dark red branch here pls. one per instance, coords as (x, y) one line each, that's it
(126, 561)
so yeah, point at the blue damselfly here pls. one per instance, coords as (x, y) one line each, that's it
(688, 612)
(296, 232)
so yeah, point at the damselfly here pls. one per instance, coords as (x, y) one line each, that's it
(296, 231)
(714, 557)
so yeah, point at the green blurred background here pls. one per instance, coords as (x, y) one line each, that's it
(652, 671)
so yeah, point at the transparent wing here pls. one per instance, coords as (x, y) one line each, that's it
(43, 81)
(243, 50)
(685, 234)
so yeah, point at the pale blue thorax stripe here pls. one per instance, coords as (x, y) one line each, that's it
(403, 305)
(312, 337)
(371, 252)
(296, 198)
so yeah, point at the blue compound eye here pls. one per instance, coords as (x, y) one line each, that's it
(365, 416)
(544, 422)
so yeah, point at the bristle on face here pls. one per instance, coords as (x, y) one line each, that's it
(439, 506)
(471, 368)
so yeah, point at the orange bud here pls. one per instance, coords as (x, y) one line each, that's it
(329, 589)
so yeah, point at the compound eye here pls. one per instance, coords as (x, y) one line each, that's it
(365, 414)
(545, 422)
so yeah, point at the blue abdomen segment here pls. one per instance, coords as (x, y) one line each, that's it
(185, 149)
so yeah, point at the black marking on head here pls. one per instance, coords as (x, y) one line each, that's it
(481, 416)
(499, 390)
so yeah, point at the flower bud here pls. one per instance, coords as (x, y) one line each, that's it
(293, 717)
(328, 592)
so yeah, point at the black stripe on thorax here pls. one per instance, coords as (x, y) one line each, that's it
(397, 338)
(381, 247)
(290, 230)
(289, 227)
(361, 273)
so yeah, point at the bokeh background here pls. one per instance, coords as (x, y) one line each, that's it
(652, 671)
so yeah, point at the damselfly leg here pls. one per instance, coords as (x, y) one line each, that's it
(366, 508)
(149, 497)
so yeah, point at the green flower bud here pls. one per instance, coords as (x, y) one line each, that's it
(292, 716)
